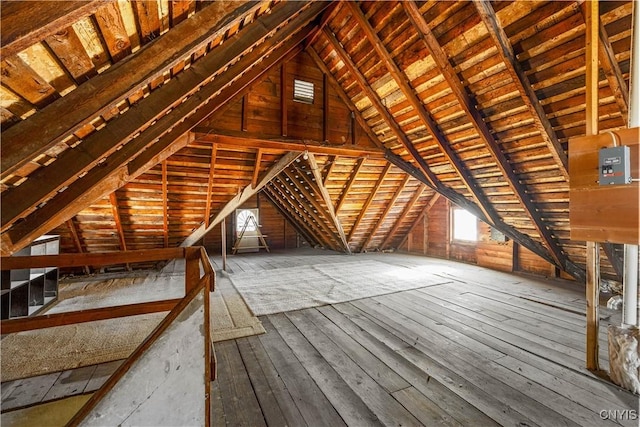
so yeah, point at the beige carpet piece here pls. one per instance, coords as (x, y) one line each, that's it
(31, 353)
(56, 413)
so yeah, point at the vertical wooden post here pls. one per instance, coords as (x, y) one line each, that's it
(325, 108)
(192, 268)
(593, 251)
(223, 230)
(245, 111)
(515, 257)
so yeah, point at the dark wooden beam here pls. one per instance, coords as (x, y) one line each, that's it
(521, 81)
(70, 164)
(369, 200)
(276, 146)
(24, 25)
(26, 140)
(407, 209)
(161, 142)
(425, 117)
(390, 205)
(468, 104)
(380, 108)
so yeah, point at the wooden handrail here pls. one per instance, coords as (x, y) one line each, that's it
(197, 260)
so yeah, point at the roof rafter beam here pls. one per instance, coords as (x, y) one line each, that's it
(317, 227)
(237, 139)
(425, 117)
(240, 198)
(75, 235)
(347, 188)
(521, 81)
(72, 163)
(327, 201)
(380, 108)
(304, 198)
(105, 91)
(407, 209)
(300, 228)
(469, 106)
(383, 217)
(172, 135)
(370, 199)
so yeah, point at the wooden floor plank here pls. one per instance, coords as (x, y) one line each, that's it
(273, 416)
(276, 385)
(30, 391)
(217, 408)
(445, 403)
(345, 400)
(312, 403)
(234, 381)
(70, 383)
(422, 408)
(102, 374)
(385, 408)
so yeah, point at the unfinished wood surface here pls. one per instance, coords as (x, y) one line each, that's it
(488, 348)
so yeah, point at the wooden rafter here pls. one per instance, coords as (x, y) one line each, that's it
(100, 182)
(299, 227)
(329, 168)
(274, 146)
(285, 204)
(347, 188)
(380, 108)
(317, 230)
(521, 81)
(75, 236)
(407, 209)
(256, 168)
(309, 204)
(115, 210)
(370, 199)
(25, 140)
(434, 199)
(240, 198)
(23, 25)
(469, 106)
(327, 201)
(72, 163)
(390, 205)
(425, 117)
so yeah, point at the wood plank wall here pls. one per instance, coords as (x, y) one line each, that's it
(432, 238)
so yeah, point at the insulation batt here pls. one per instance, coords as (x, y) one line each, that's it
(624, 356)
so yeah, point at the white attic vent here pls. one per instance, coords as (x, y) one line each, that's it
(302, 91)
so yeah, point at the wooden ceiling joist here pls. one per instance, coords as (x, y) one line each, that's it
(327, 200)
(100, 181)
(469, 106)
(240, 198)
(237, 139)
(513, 67)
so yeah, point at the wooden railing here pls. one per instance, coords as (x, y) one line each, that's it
(199, 276)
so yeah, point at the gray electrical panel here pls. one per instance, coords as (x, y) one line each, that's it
(615, 165)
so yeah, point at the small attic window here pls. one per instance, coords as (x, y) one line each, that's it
(303, 91)
(465, 226)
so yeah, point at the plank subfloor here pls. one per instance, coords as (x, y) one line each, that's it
(484, 348)
(481, 349)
